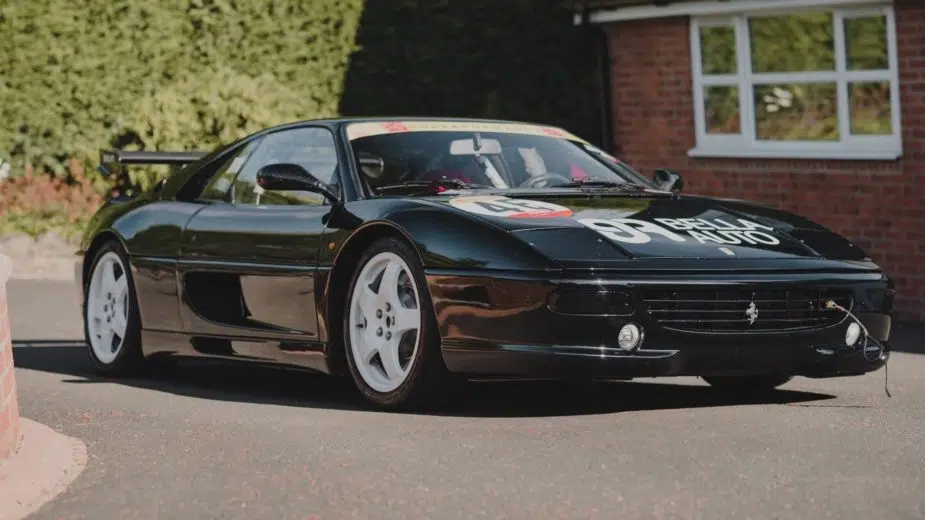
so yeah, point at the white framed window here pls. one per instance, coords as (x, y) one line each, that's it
(816, 83)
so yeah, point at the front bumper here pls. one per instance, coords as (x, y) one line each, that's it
(686, 360)
(505, 327)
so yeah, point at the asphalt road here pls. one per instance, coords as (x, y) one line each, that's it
(214, 441)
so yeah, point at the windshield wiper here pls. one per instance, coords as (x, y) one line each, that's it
(432, 186)
(593, 182)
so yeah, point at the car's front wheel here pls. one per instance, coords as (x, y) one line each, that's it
(390, 330)
(111, 323)
(748, 384)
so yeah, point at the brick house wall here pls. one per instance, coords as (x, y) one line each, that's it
(880, 205)
(9, 407)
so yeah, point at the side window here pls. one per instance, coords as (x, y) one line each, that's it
(311, 147)
(219, 186)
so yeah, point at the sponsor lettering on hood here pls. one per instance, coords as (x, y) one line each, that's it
(716, 230)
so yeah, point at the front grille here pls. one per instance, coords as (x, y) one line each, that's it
(730, 309)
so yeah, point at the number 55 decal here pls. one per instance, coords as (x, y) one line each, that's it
(497, 206)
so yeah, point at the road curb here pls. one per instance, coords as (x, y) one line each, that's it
(47, 257)
(46, 463)
(46, 268)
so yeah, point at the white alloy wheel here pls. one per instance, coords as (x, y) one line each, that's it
(107, 308)
(385, 322)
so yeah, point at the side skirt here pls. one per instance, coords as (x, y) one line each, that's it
(285, 354)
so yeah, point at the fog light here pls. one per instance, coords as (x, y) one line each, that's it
(630, 337)
(852, 334)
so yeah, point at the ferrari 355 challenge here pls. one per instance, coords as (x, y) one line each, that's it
(409, 253)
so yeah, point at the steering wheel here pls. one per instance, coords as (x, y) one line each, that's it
(544, 180)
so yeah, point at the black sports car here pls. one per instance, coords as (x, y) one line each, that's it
(411, 253)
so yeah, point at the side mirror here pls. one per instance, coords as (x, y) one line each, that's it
(292, 177)
(668, 180)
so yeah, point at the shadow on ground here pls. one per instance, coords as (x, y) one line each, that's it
(230, 381)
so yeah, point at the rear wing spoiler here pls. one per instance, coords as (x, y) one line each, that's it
(111, 161)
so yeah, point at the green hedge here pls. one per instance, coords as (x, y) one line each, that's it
(78, 75)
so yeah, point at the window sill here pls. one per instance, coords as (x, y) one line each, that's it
(853, 155)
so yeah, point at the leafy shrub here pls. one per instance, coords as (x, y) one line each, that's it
(79, 76)
(38, 202)
(187, 74)
(222, 106)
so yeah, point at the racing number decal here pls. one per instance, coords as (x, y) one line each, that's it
(497, 206)
(629, 230)
(718, 231)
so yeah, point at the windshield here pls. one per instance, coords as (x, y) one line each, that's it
(495, 156)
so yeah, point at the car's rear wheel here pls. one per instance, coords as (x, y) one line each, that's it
(112, 326)
(748, 384)
(390, 329)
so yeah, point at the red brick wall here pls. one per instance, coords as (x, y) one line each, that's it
(880, 205)
(9, 406)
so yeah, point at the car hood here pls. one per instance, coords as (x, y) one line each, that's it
(600, 227)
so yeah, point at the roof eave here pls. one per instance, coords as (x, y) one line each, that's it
(603, 11)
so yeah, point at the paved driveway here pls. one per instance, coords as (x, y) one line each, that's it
(219, 441)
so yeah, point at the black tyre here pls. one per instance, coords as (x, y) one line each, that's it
(391, 340)
(112, 327)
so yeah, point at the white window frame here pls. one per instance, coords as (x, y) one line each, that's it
(861, 147)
